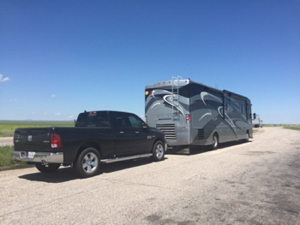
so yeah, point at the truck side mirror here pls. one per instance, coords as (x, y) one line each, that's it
(254, 116)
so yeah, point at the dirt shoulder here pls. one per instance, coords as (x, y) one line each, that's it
(6, 141)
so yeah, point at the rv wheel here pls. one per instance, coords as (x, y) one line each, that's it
(215, 142)
(247, 137)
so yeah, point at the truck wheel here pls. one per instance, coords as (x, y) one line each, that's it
(48, 168)
(158, 151)
(215, 144)
(88, 163)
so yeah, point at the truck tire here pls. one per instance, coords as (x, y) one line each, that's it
(88, 163)
(48, 168)
(158, 151)
(215, 144)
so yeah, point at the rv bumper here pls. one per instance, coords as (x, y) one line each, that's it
(41, 157)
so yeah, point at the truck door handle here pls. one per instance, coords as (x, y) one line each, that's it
(121, 132)
(137, 132)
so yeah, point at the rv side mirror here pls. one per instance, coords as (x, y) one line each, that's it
(254, 116)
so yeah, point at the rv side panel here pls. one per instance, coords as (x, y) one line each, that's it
(208, 116)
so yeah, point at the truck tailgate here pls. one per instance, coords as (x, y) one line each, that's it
(32, 139)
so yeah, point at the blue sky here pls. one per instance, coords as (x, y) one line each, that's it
(59, 57)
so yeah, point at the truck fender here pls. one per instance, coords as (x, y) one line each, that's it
(87, 145)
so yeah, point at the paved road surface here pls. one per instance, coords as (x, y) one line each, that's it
(251, 183)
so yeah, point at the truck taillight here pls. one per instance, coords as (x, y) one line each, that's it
(55, 141)
(188, 118)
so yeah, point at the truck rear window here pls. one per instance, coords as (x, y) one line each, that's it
(93, 119)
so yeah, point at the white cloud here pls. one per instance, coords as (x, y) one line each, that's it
(53, 96)
(71, 117)
(13, 100)
(3, 79)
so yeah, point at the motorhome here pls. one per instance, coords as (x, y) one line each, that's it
(257, 123)
(193, 114)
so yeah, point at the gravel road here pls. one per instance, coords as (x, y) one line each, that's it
(250, 183)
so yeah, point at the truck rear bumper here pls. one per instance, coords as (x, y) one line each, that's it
(41, 157)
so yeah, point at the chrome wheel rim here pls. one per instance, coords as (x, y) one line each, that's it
(90, 162)
(159, 151)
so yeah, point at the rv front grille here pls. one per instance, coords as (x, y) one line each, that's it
(200, 134)
(168, 129)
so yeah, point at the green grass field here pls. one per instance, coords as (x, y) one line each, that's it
(7, 128)
(6, 162)
(285, 126)
(292, 127)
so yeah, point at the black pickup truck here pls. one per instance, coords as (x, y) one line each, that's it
(98, 137)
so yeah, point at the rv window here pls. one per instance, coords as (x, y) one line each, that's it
(242, 107)
(227, 107)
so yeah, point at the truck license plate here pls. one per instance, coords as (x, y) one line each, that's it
(31, 155)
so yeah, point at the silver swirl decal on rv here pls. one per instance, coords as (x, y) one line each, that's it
(206, 114)
(209, 96)
(227, 118)
(205, 95)
(156, 92)
(170, 100)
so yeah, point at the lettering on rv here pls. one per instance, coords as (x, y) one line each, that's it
(164, 116)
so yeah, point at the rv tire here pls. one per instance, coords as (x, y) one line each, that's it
(215, 140)
(247, 137)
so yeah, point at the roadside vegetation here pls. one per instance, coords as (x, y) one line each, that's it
(7, 128)
(292, 127)
(6, 161)
(285, 126)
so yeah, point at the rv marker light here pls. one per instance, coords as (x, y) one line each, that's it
(188, 118)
